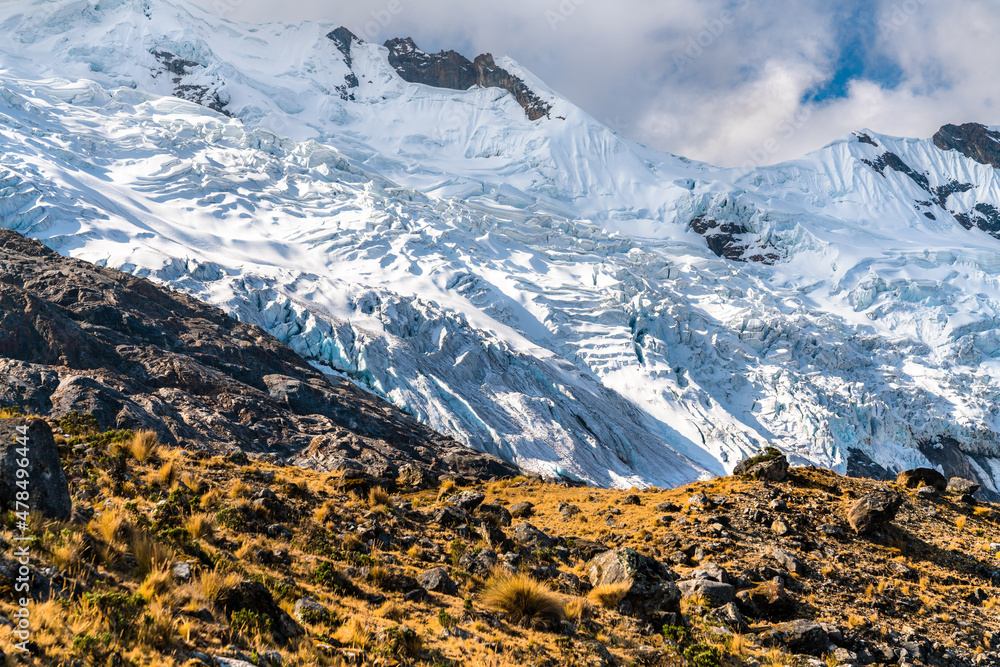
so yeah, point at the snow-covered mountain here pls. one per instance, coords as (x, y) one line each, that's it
(502, 266)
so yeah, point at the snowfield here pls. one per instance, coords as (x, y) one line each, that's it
(539, 290)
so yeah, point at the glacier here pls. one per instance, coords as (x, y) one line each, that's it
(546, 290)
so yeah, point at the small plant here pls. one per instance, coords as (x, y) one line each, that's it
(703, 655)
(445, 620)
(676, 634)
(523, 599)
(402, 642)
(79, 425)
(960, 523)
(457, 549)
(250, 624)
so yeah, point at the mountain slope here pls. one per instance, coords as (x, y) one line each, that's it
(544, 290)
(82, 340)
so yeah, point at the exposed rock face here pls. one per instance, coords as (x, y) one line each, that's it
(181, 71)
(874, 511)
(972, 140)
(85, 338)
(962, 487)
(48, 492)
(735, 241)
(450, 69)
(344, 39)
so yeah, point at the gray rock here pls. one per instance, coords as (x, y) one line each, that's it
(308, 610)
(927, 492)
(480, 563)
(652, 588)
(181, 571)
(437, 580)
(494, 514)
(467, 500)
(774, 467)
(412, 476)
(961, 487)
(802, 636)
(699, 501)
(788, 561)
(715, 594)
(48, 489)
(450, 516)
(526, 534)
(667, 507)
(254, 596)
(729, 615)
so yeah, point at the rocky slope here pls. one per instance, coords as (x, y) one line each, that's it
(179, 558)
(78, 338)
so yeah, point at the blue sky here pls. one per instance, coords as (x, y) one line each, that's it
(717, 80)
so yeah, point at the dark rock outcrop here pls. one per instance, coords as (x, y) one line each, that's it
(735, 241)
(46, 487)
(972, 140)
(450, 69)
(874, 511)
(254, 597)
(651, 583)
(918, 477)
(77, 337)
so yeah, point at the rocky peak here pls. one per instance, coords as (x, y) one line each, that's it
(973, 140)
(450, 69)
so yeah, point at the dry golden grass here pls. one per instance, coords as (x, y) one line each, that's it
(960, 523)
(157, 583)
(200, 526)
(354, 633)
(144, 446)
(392, 611)
(239, 489)
(167, 474)
(211, 583)
(523, 599)
(609, 595)
(150, 555)
(379, 497)
(577, 609)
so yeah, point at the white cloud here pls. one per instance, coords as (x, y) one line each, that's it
(716, 80)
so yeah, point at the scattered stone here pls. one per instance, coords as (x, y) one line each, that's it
(927, 492)
(788, 561)
(437, 580)
(632, 499)
(777, 505)
(874, 511)
(918, 477)
(450, 516)
(181, 571)
(568, 511)
(729, 615)
(780, 528)
(667, 507)
(801, 636)
(412, 476)
(769, 600)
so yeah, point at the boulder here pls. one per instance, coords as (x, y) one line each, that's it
(714, 593)
(801, 637)
(528, 535)
(729, 615)
(437, 580)
(961, 487)
(412, 476)
(307, 610)
(494, 514)
(770, 465)
(254, 596)
(467, 500)
(48, 491)
(768, 600)
(480, 563)
(667, 507)
(522, 510)
(918, 477)
(449, 516)
(874, 511)
(699, 501)
(652, 588)
(788, 561)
